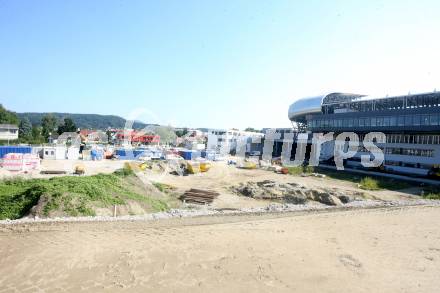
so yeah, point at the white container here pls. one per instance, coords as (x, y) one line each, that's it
(38, 150)
(72, 153)
(54, 153)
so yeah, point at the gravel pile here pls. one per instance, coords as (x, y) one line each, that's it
(293, 193)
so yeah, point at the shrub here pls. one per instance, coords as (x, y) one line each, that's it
(308, 169)
(431, 192)
(432, 196)
(126, 171)
(369, 183)
(294, 170)
(163, 187)
(300, 169)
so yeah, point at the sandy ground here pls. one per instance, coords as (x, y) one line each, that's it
(382, 250)
(222, 176)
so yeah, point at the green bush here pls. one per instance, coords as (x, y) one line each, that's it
(163, 187)
(300, 169)
(432, 196)
(308, 169)
(126, 171)
(431, 192)
(369, 183)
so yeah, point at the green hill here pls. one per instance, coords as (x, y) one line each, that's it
(87, 121)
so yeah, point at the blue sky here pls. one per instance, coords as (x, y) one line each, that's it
(212, 64)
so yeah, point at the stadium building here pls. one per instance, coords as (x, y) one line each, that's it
(411, 124)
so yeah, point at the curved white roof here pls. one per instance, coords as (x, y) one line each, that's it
(305, 106)
(312, 105)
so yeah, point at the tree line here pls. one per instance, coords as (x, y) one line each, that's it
(38, 133)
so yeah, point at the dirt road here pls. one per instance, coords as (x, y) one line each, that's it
(385, 250)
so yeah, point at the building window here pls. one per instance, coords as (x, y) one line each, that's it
(367, 122)
(416, 120)
(425, 120)
(433, 120)
(393, 121)
(409, 152)
(379, 121)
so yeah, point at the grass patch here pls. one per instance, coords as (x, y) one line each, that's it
(127, 170)
(71, 195)
(166, 188)
(431, 192)
(363, 181)
(298, 170)
(368, 182)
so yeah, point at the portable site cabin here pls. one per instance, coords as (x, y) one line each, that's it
(72, 153)
(54, 153)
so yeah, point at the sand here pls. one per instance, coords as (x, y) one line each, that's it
(221, 177)
(381, 250)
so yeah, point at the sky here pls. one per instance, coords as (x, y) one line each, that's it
(216, 64)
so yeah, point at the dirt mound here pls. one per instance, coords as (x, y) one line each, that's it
(100, 195)
(294, 193)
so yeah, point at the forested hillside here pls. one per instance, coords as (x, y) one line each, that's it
(89, 121)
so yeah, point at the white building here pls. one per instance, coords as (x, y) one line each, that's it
(226, 141)
(8, 132)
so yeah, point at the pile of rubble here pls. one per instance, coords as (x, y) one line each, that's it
(294, 193)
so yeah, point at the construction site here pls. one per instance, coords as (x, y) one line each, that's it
(205, 210)
(174, 216)
(105, 180)
(219, 146)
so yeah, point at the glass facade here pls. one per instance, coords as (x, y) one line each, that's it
(413, 139)
(331, 106)
(375, 122)
(409, 152)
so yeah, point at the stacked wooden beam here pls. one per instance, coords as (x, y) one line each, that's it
(53, 172)
(199, 196)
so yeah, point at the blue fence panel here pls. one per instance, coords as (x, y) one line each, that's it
(14, 149)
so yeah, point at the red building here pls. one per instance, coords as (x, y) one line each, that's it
(137, 136)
